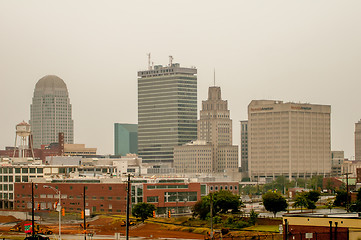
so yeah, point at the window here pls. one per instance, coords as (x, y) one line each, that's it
(152, 199)
(24, 170)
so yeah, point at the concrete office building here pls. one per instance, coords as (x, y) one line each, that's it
(214, 136)
(125, 139)
(194, 157)
(288, 139)
(244, 148)
(358, 140)
(50, 112)
(167, 111)
(337, 159)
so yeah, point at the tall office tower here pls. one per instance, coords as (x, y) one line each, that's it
(288, 139)
(167, 110)
(125, 139)
(358, 140)
(215, 125)
(244, 148)
(215, 133)
(50, 112)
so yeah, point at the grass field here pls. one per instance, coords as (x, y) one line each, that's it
(263, 228)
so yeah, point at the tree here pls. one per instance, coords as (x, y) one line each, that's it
(307, 199)
(143, 210)
(253, 217)
(341, 198)
(274, 202)
(301, 201)
(329, 204)
(222, 202)
(356, 206)
(202, 208)
(313, 195)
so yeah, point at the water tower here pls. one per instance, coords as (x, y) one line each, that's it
(23, 131)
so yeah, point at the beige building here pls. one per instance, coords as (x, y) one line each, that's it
(194, 157)
(350, 167)
(358, 140)
(288, 139)
(78, 149)
(215, 133)
(337, 162)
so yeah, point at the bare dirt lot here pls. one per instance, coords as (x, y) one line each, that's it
(109, 226)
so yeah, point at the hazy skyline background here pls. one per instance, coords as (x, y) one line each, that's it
(300, 51)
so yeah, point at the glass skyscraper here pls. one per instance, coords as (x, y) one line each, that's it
(125, 139)
(167, 110)
(50, 112)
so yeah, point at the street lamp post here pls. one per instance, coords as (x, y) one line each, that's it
(176, 206)
(58, 207)
(185, 205)
(32, 211)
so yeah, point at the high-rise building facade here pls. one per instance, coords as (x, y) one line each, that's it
(337, 159)
(167, 110)
(215, 134)
(358, 140)
(50, 112)
(125, 139)
(244, 148)
(288, 139)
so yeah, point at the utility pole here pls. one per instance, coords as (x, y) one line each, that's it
(348, 199)
(84, 214)
(128, 202)
(211, 235)
(32, 211)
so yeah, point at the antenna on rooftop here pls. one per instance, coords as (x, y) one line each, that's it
(170, 61)
(214, 77)
(149, 67)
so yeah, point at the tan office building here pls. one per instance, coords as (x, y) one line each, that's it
(214, 136)
(288, 139)
(358, 140)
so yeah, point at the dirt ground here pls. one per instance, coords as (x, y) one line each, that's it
(107, 226)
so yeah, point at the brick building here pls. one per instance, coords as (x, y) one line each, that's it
(108, 195)
(322, 227)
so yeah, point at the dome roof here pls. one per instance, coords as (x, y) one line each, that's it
(50, 84)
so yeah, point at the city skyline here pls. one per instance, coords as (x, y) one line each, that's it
(299, 52)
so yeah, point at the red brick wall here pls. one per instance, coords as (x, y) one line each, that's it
(297, 232)
(98, 195)
(192, 187)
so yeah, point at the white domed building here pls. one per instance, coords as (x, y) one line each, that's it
(50, 112)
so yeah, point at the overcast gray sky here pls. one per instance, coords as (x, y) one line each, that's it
(300, 51)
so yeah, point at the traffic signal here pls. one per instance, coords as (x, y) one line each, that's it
(63, 211)
(55, 205)
(169, 214)
(154, 214)
(82, 214)
(38, 206)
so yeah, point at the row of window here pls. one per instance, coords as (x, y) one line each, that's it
(235, 187)
(22, 170)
